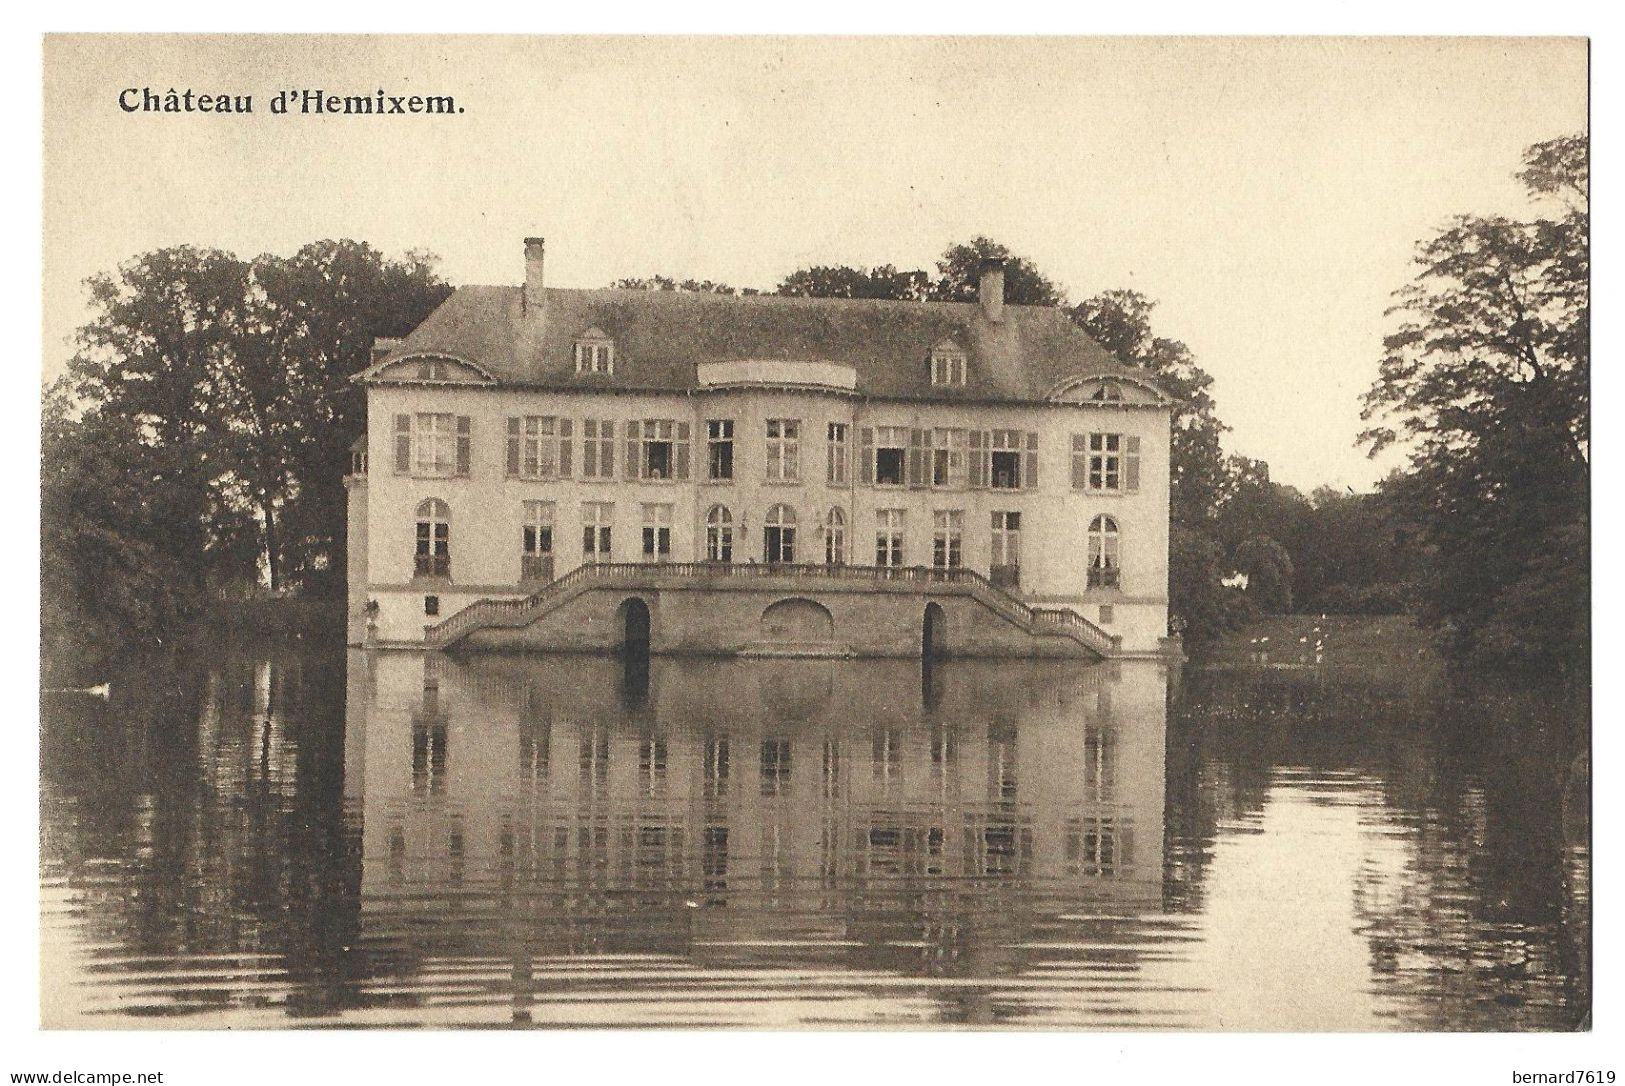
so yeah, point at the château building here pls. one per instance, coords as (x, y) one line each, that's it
(576, 469)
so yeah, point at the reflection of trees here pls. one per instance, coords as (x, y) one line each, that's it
(200, 813)
(1473, 898)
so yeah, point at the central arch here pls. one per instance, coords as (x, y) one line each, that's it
(797, 619)
(934, 632)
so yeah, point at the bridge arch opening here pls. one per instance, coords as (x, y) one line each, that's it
(633, 623)
(934, 632)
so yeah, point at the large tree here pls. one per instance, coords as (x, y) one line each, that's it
(215, 395)
(292, 405)
(150, 370)
(1487, 379)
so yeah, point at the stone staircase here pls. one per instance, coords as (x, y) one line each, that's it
(668, 576)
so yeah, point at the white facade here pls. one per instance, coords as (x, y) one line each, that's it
(988, 484)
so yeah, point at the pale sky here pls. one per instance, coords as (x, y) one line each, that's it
(1266, 192)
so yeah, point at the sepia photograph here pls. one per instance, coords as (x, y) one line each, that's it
(815, 533)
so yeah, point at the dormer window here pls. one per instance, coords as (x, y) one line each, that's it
(948, 364)
(1108, 392)
(595, 352)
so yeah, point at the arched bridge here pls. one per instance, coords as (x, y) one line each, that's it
(707, 607)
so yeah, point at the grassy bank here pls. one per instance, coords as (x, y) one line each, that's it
(78, 655)
(1374, 643)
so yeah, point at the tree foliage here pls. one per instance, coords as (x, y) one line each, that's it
(202, 431)
(682, 286)
(1486, 378)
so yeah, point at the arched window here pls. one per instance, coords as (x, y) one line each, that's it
(1104, 548)
(433, 556)
(779, 535)
(719, 535)
(835, 537)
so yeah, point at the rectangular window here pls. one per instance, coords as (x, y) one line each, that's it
(657, 449)
(596, 520)
(783, 450)
(539, 447)
(837, 472)
(432, 444)
(536, 557)
(595, 358)
(948, 459)
(947, 540)
(1106, 462)
(1005, 458)
(888, 455)
(947, 369)
(889, 538)
(719, 449)
(716, 767)
(657, 533)
(431, 605)
(1005, 567)
(775, 767)
(597, 449)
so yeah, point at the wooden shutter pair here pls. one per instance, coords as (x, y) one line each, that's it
(866, 455)
(403, 444)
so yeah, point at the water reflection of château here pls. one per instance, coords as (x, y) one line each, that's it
(622, 805)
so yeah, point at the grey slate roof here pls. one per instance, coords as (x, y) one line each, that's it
(661, 336)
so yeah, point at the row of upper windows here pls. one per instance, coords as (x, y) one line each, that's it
(595, 354)
(545, 447)
(432, 547)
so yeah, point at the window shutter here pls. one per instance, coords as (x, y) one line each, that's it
(465, 451)
(978, 458)
(606, 449)
(680, 452)
(566, 443)
(916, 458)
(633, 430)
(1131, 463)
(866, 455)
(403, 444)
(1080, 461)
(1029, 470)
(513, 446)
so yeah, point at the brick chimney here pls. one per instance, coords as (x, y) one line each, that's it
(533, 297)
(990, 289)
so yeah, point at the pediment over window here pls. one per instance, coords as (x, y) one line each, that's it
(1107, 391)
(430, 368)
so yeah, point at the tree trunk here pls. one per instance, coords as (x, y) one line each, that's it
(273, 554)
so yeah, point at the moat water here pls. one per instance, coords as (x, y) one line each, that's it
(1254, 841)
